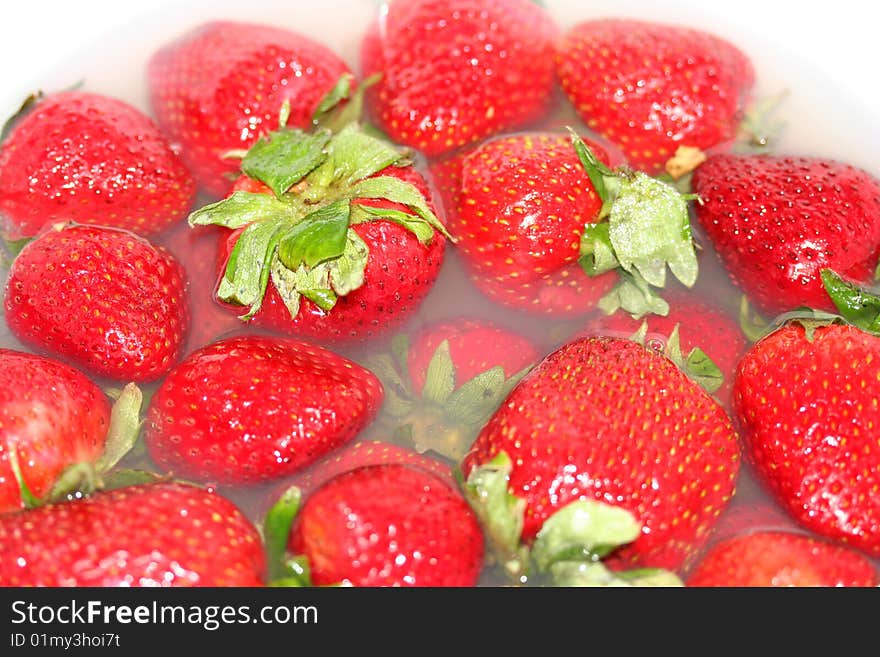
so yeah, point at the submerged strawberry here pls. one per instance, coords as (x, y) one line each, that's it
(221, 86)
(251, 409)
(387, 525)
(651, 88)
(781, 559)
(445, 381)
(148, 535)
(609, 420)
(777, 221)
(541, 219)
(91, 159)
(336, 239)
(806, 398)
(104, 298)
(454, 72)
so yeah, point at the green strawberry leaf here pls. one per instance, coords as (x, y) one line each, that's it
(352, 155)
(76, 479)
(340, 91)
(440, 376)
(248, 269)
(241, 209)
(698, 366)
(347, 271)
(474, 401)
(596, 574)
(583, 530)
(413, 223)
(649, 229)
(399, 191)
(122, 477)
(316, 238)
(296, 573)
(597, 253)
(604, 180)
(284, 157)
(28, 498)
(339, 116)
(27, 105)
(501, 513)
(124, 430)
(633, 295)
(276, 530)
(398, 395)
(751, 323)
(859, 306)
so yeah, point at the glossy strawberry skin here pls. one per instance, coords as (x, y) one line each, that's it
(606, 418)
(91, 159)
(388, 525)
(808, 411)
(399, 274)
(222, 85)
(523, 202)
(777, 221)
(455, 72)
(256, 408)
(700, 325)
(52, 415)
(148, 535)
(651, 88)
(105, 299)
(475, 346)
(781, 559)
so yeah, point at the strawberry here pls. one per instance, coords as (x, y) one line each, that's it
(388, 525)
(777, 221)
(161, 534)
(51, 416)
(806, 398)
(445, 381)
(255, 408)
(781, 559)
(651, 88)
(334, 237)
(454, 72)
(91, 159)
(702, 326)
(608, 420)
(104, 298)
(221, 86)
(540, 219)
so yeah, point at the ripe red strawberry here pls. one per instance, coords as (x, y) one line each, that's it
(52, 416)
(701, 326)
(388, 525)
(776, 222)
(456, 72)
(91, 159)
(344, 248)
(103, 298)
(222, 85)
(147, 535)
(252, 408)
(651, 87)
(782, 559)
(607, 419)
(445, 381)
(531, 226)
(807, 403)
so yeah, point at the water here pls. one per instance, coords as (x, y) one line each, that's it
(814, 125)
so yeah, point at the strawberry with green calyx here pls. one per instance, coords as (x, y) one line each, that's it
(607, 419)
(781, 559)
(58, 432)
(253, 409)
(219, 88)
(806, 398)
(159, 534)
(541, 222)
(342, 206)
(569, 547)
(375, 525)
(444, 382)
(777, 221)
